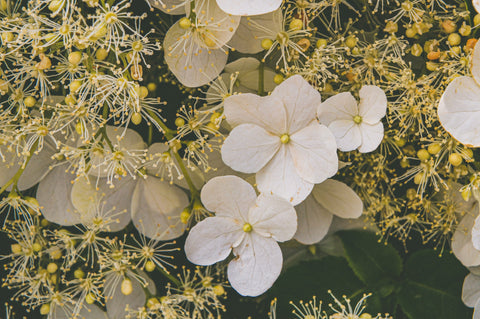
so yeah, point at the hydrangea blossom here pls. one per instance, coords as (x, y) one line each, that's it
(279, 138)
(248, 225)
(459, 107)
(355, 126)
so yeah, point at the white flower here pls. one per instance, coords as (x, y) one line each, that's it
(355, 126)
(248, 225)
(278, 138)
(315, 214)
(459, 107)
(248, 7)
(462, 240)
(194, 50)
(471, 293)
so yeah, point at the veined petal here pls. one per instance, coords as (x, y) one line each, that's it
(257, 265)
(281, 178)
(373, 104)
(215, 21)
(249, 147)
(273, 216)
(476, 234)
(300, 100)
(475, 69)
(341, 106)
(459, 110)
(313, 221)
(87, 311)
(37, 168)
(462, 245)
(193, 65)
(8, 165)
(347, 134)
(156, 208)
(372, 136)
(252, 30)
(338, 199)
(212, 239)
(53, 195)
(471, 290)
(314, 153)
(248, 7)
(242, 65)
(229, 196)
(267, 112)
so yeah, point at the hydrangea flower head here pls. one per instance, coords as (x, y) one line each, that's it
(279, 138)
(248, 225)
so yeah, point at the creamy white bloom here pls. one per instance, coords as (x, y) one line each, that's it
(355, 126)
(462, 239)
(459, 107)
(248, 225)
(248, 7)
(315, 214)
(195, 47)
(278, 138)
(471, 293)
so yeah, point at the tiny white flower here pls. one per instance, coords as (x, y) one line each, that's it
(248, 7)
(462, 240)
(471, 293)
(279, 138)
(248, 225)
(459, 107)
(355, 126)
(315, 214)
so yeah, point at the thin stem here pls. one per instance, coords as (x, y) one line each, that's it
(261, 79)
(170, 277)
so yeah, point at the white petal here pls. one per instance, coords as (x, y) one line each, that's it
(53, 195)
(252, 30)
(273, 217)
(242, 65)
(170, 6)
(471, 290)
(372, 136)
(87, 312)
(257, 265)
(300, 100)
(341, 106)
(313, 221)
(249, 147)
(475, 69)
(462, 245)
(339, 199)
(373, 104)
(8, 165)
(347, 134)
(248, 7)
(281, 178)
(476, 234)
(117, 302)
(196, 66)
(476, 311)
(266, 112)
(156, 209)
(37, 168)
(314, 153)
(212, 239)
(229, 196)
(459, 110)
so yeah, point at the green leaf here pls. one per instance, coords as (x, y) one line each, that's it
(376, 264)
(433, 287)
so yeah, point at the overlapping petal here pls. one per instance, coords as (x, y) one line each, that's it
(372, 136)
(313, 221)
(471, 290)
(248, 7)
(462, 245)
(341, 106)
(338, 199)
(373, 104)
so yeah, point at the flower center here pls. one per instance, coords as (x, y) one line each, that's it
(357, 119)
(285, 138)
(247, 228)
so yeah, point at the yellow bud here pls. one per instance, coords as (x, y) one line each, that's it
(431, 66)
(153, 302)
(70, 99)
(465, 30)
(3, 86)
(79, 128)
(448, 26)
(411, 193)
(179, 122)
(37, 247)
(423, 155)
(149, 266)
(101, 54)
(3, 5)
(152, 87)
(75, 57)
(218, 290)
(454, 39)
(16, 248)
(455, 159)
(143, 92)
(185, 23)
(44, 223)
(416, 49)
(466, 194)
(418, 178)
(434, 148)
(56, 254)
(75, 85)
(476, 20)
(351, 41)
(45, 309)
(126, 287)
(7, 36)
(410, 32)
(321, 43)
(468, 152)
(278, 78)
(247, 228)
(391, 27)
(90, 298)
(136, 118)
(296, 24)
(285, 138)
(185, 216)
(56, 5)
(79, 273)
(266, 44)
(52, 268)
(29, 101)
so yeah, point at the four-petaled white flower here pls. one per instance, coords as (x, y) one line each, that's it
(459, 107)
(355, 126)
(279, 138)
(248, 225)
(248, 7)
